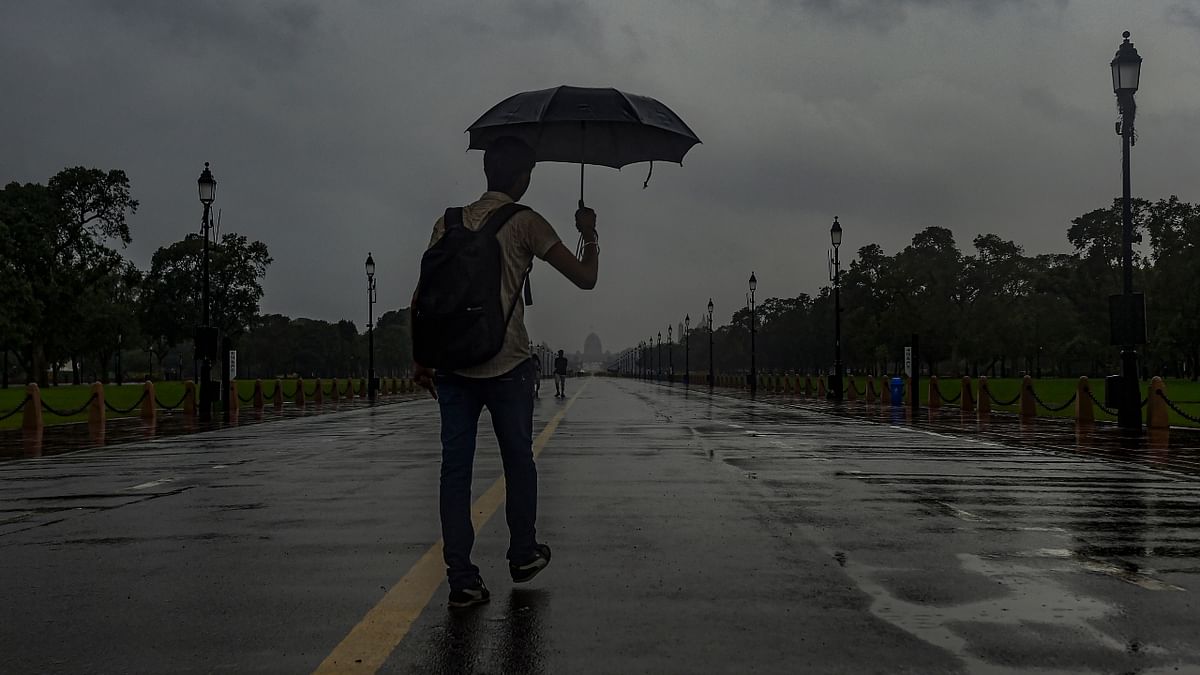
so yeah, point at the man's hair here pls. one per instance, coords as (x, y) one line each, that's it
(505, 159)
(560, 352)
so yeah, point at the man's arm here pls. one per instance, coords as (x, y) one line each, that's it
(582, 273)
(422, 376)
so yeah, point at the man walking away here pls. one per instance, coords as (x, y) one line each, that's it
(537, 374)
(501, 381)
(560, 375)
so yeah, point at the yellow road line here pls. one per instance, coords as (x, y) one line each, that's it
(372, 641)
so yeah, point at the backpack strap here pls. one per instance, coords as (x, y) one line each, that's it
(453, 218)
(500, 217)
(497, 220)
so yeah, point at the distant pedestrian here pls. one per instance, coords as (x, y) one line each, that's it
(560, 375)
(537, 375)
(468, 324)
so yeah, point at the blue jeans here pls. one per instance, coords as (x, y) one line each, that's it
(509, 399)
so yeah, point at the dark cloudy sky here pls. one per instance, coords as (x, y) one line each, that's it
(335, 128)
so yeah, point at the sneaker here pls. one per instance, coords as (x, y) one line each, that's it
(475, 594)
(522, 573)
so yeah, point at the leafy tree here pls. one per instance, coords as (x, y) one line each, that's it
(59, 244)
(172, 290)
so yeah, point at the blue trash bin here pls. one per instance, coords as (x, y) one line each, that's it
(897, 385)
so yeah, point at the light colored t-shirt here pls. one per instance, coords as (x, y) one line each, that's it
(526, 235)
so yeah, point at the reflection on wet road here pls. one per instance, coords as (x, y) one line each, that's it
(691, 534)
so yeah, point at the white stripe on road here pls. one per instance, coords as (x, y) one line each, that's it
(153, 483)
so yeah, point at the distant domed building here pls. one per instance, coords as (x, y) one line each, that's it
(592, 351)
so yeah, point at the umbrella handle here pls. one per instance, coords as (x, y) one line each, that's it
(581, 185)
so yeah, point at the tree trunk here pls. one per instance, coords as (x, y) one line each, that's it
(38, 370)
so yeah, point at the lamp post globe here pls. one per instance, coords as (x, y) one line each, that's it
(371, 384)
(1128, 309)
(1126, 67)
(206, 339)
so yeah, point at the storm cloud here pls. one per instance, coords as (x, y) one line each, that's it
(335, 129)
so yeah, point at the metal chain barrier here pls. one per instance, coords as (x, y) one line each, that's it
(268, 397)
(68, 413)
(287, 395)
(952, 399)
(248, 399)
(1100, 405)
(858, 393)
(123, 411)
(18, 409)
(1178, 411)
(999, 402)
(314, 392)
(1047, 406)
(164, 406)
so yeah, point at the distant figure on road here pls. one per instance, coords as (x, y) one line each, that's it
(503, 379)
(560, 375)
(537, 375)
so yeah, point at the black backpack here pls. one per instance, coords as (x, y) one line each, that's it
(458, 319)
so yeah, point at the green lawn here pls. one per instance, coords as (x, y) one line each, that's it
(69, 397)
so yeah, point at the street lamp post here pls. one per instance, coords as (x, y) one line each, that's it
(206, 341)
(835, 275)
(753, 366)
(1128, 310)
(687, 352)
(370, 328)
(711, 378)
(658, 371)
(670, 356)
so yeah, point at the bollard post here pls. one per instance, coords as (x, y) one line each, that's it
(258, 394)
(278, 397)
(319, 394)
(985, 397)
(1028, 404)
(298, 398)
(362, 388)
(822, 392)
(1085, 410)
(851, 392)
(1157, 415)
(872, 396)
(333, 390)
(96, 409)
(935, 394)
(149, 408)
(885, 391)
(235, 403)
(966, 400)
(32, 420)
(189, 398)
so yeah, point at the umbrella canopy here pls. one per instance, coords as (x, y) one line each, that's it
(601, 126)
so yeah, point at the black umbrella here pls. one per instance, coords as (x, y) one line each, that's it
(587, 125)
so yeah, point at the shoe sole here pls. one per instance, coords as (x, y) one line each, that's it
(532, 574)
(471, 603)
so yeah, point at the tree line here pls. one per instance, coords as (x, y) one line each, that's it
(71, 300)
(992, 310)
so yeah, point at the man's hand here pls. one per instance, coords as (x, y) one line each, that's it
(423, 377)
(585, 222)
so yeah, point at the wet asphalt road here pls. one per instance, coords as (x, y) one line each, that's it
(691, 534)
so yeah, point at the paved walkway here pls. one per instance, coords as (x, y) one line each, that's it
(691, 534)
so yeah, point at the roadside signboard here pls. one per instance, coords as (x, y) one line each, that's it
(908, 361)
(233, 364)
